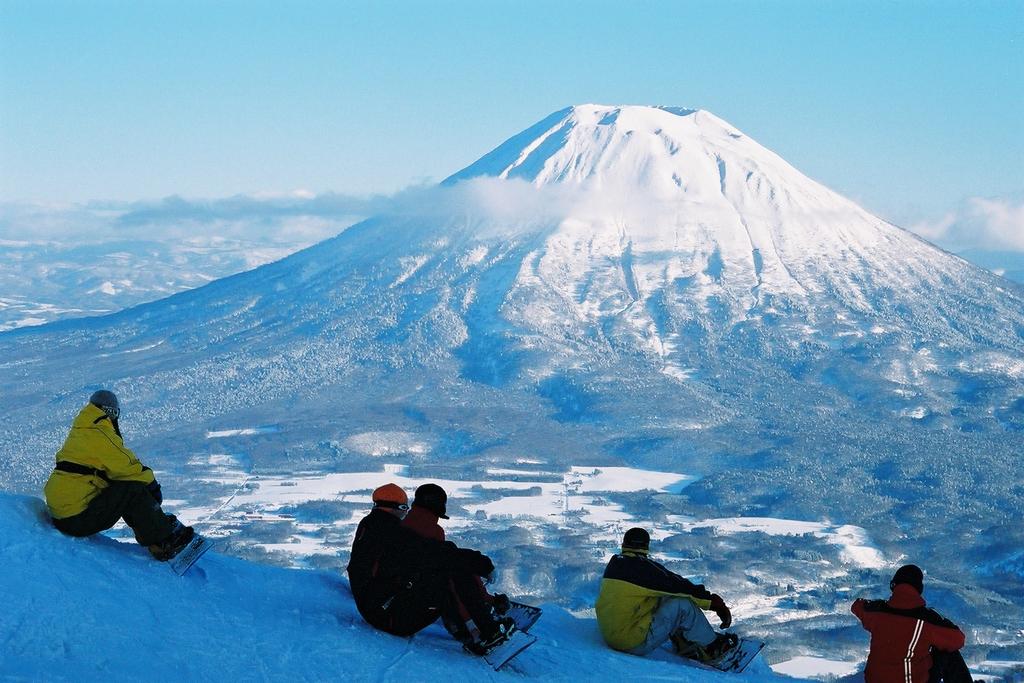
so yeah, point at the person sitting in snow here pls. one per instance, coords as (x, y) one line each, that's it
(429, 505)
(642, 605)
(910, 642)
(402, 582)
(98, 481)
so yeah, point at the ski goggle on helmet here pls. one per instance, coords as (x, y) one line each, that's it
(107, 402)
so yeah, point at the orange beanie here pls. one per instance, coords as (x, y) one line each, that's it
(390, 495)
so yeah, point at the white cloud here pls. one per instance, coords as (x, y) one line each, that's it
(291, 218)
(979, 223)
(302, 217)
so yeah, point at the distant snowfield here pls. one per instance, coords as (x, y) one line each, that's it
(812, 667)
(510, 496)
(248, 431)
(387, 443)
(233, 620)
(575, 494)
(109, 270)
(856, 547)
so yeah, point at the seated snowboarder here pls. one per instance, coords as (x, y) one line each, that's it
(429, 505)
(910, 642)
(403, 582)
(642, 605)
(98, 481)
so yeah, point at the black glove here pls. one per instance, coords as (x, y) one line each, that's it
(501, 603)
(154, 490)
(719, 608)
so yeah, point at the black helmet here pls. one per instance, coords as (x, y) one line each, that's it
(433, 498)
(107, 402)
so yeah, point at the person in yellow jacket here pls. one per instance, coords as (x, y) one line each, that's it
(642, 605)
(97, 481)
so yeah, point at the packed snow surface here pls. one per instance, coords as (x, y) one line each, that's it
(98, 610)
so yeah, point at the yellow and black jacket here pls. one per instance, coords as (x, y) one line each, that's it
(631, 590)
(92, 455)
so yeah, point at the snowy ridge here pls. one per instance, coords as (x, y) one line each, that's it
(233, 620)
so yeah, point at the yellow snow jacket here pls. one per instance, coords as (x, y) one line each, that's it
(631, 590)
(92, 443)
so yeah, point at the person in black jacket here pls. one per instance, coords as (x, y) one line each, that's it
(403, 582)
(642, 605)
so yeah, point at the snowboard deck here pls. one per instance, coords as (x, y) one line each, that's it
(502, 654)
(188, 556)
(735, 660)
(524, 615)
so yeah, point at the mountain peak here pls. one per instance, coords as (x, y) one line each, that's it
(663, 152)
(541, 152)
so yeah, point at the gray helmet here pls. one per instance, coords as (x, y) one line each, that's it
(107, 402)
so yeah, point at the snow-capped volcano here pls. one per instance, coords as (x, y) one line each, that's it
(702, 223)
(663, 152)
(613, 286)
(690, 158)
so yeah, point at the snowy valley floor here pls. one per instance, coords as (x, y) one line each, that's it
(96, 609)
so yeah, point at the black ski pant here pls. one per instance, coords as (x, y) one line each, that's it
(949, 667)
(430, 596)
(127, 500)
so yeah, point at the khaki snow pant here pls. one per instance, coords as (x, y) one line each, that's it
(676, 615)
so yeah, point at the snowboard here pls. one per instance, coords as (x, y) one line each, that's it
(502, 654)
(524, 615)
(188, 556)
(733, 661)
(737, 659)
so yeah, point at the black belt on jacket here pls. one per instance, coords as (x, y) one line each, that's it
(75, 468)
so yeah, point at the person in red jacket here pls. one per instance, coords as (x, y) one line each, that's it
(429, 505)
(909, 642)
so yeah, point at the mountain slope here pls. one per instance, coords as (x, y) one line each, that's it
(98, 610)
(719, 248)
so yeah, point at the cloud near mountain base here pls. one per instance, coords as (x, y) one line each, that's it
(979, 223)
(490, 204)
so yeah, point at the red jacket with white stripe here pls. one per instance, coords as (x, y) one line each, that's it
(902, 632)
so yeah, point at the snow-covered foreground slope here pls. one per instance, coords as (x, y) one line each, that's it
(99, 610)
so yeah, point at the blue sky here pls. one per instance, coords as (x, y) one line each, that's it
(909, 108)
